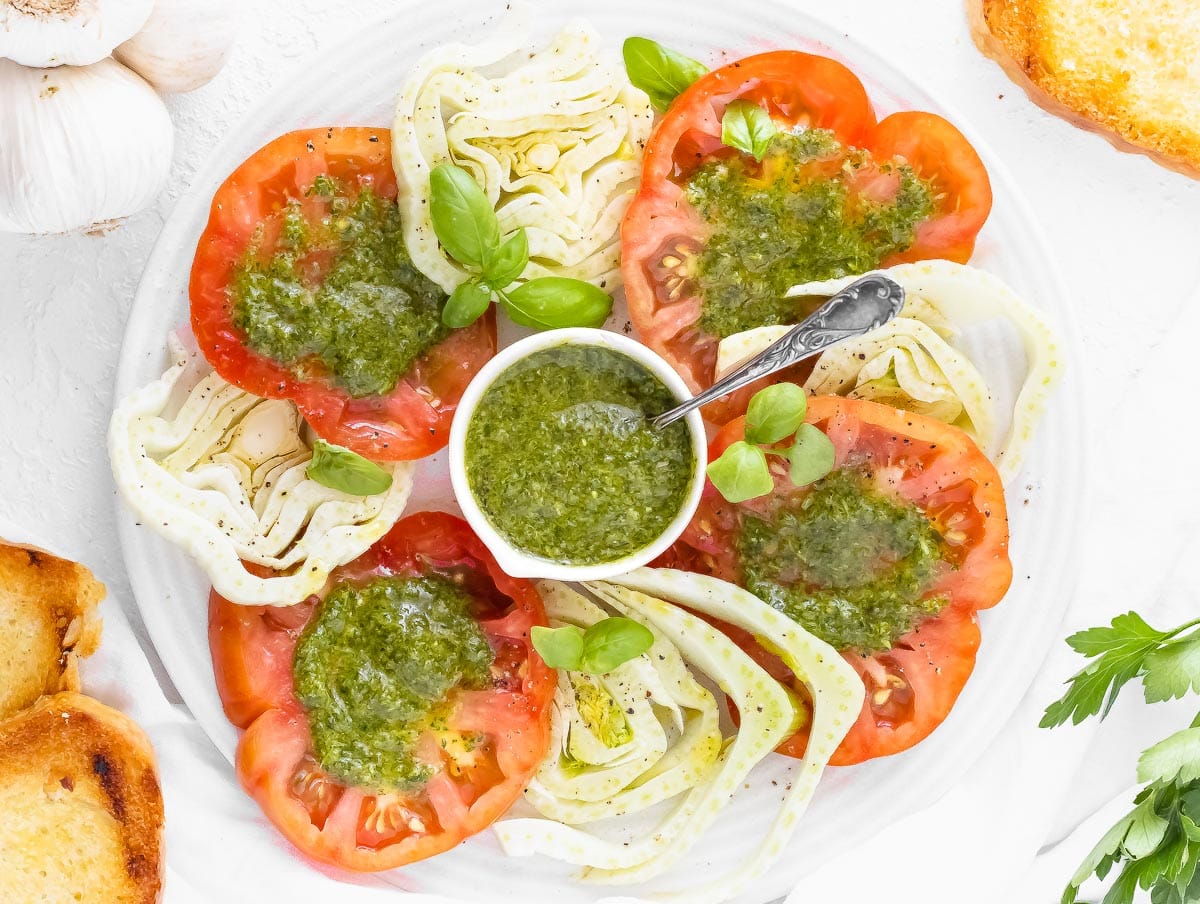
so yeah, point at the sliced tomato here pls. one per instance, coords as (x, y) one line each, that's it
(661, 228)
(508, 723)
(912, 686)
(414, 419)
(945, 159)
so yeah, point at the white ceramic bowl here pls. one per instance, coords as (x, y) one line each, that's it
(516, 561)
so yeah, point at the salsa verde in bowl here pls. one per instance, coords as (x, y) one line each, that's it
(556, 465)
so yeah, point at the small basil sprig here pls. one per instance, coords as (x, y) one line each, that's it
(747, 127)
(662, 73)
(467, 228)
(600, 649)
(341, 469)
(774, 414)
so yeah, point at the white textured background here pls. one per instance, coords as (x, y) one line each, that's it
(1125, 232)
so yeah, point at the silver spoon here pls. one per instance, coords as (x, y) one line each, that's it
(864, 305)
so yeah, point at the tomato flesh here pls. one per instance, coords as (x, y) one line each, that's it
(661, 232)
(411, 421)
(508, 722)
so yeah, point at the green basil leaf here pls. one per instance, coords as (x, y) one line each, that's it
(466, 304)
(747, 127)
(741, 473)
(552, 302)
(659, 71)
(612, 641)
(462, 215)
(341, 469)
(560, 648)
(509, 261)
(812, 455)
(775, 413)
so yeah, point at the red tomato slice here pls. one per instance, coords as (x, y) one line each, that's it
(943, 157)
(252, 649)
(414, 419)
(912, 686)
(796, 88)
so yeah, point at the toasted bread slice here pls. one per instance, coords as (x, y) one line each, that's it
(83, 812)
(1126, 69)
(48, 620)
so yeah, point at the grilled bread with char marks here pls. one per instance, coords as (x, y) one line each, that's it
(83, 812)
(48, 621)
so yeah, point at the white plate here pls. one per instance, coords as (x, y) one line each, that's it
(355, 84)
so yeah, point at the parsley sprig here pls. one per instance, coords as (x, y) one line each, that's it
(1167, 661)
(1157, 844)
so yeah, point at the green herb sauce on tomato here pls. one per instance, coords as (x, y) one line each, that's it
(339, 297)
(846, 562)
(796, 217)
(563, 461)
(374, 668)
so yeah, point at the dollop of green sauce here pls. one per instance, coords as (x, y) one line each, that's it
(365, 320)
(791, 219)
(846, 562)
(562, 459)
(374, 667)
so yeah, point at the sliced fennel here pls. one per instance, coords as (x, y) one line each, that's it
(768, 717)
(836, 689)
(623, 741)
(221, 473)
(918, 362)
(555, 143)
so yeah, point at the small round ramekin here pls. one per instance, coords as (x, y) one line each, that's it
(518, 562)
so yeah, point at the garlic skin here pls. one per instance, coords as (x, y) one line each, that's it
(78, 146)
(183, 44)
(67, 32)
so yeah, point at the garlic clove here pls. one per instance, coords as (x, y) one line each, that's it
(67, 32)
(183, 44)
(78, 145)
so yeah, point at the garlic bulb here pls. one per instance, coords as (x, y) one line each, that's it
(183, 44)
(78, 145)
(67, 32)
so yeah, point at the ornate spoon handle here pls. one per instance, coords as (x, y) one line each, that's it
(864, 305)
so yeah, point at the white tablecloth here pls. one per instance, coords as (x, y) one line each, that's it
(1126, 234)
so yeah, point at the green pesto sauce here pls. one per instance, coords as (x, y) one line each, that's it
(564, 463)
(848, 563)
(365, 321)
(788, 220)
(374, 667)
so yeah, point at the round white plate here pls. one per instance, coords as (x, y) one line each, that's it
(355, 84)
